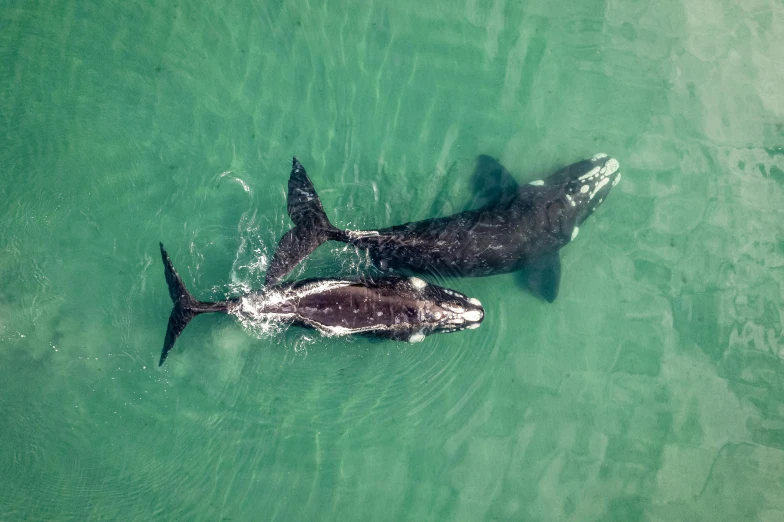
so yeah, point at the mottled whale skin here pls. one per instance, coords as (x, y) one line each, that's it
(399, 308)
(522, 231)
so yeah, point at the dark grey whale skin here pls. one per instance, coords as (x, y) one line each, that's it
(523, 230)
(398, 308)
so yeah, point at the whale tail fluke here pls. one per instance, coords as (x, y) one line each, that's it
(311, 226)
(186, 307)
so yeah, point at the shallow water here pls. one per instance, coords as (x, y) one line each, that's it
(652, 389)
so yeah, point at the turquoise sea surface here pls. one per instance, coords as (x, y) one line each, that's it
(651, 389)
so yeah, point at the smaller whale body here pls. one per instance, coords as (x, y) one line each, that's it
(521, 231)
(398, 308)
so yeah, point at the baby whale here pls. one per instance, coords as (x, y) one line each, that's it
(399, 308)
(522, 231)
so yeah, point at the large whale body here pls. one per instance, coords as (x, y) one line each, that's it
(399, 308)
(522, 231)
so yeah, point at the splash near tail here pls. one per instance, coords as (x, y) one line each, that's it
(186, 307)
(311, 226)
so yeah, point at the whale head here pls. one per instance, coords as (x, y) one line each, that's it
(446, 310)
(586, 184)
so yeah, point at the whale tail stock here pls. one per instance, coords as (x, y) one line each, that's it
(311, 226)
(186, 307)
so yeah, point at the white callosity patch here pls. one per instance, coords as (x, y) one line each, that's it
(473, 325)
(617, 179)
(584, 189)
(454, 308)
(598, 187)
(473, 315)
(474, 301)
(591, 173)
(575, 232)
(611, 167)
(417, 283)
(599, 156)
(537, 183)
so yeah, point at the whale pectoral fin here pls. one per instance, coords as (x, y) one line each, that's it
(543, 276)
(491, 182)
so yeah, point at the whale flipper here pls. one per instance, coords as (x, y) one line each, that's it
(543, 276)
(491, 182)
(311, 226)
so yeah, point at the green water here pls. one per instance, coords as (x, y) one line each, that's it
(652, 389)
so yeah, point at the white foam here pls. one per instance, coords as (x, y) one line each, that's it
(417, 337)
(359, 234)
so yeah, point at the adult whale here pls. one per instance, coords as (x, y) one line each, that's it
(522, 231)
(399, 308)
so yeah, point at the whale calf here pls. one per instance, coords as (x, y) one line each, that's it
(399, 308)
(522, 231)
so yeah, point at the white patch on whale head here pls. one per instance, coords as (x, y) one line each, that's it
(591, 173)
(537, 183)
(454, 308)
(617, 179)
(474, 301)
(473, 325)
(417, 283)
(611, 166)
(473, 315)
(575, 232)
(598, 187)
(599, 156)
(584, 189)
